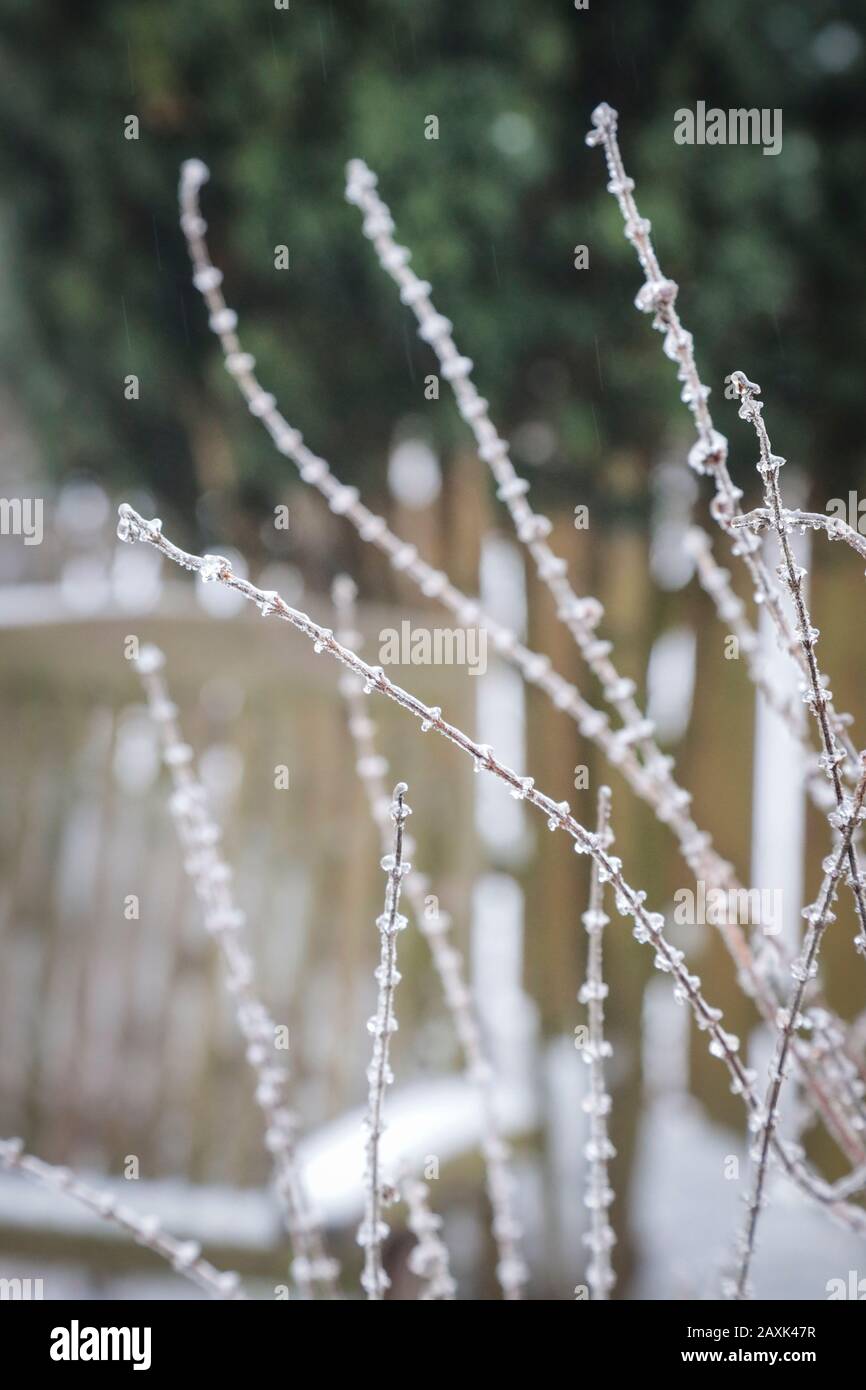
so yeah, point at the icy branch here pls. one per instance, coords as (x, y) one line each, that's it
(818, 696)
(657, 296)
(211, 877)
(762, 519)
(648, 926)
(373, 1228)
(435, 927)
(599, 1149)
(429, 1258)
(184, 1256)
(819, 916)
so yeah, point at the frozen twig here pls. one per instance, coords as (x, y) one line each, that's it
(599, 1195)
(669, 803)
(657, 296)
(211, 877)
(428, 1260)
(763, 519)
(817, 695)
(648, 926)
(435, 927)
(373, 1228)
(804, 970)
(184, 1256)
(831, 1051)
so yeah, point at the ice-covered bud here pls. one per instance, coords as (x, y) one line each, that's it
(416, 290)
(213, 567)
(239, 363)
(150, 660)
(149, 1228)
(192, 225)
(207, 279)
(457, 368)
(194, 173)
(604, 119)
(435, 326)
(360, 180)
(743, 386)
(223, 321)
(342, 500)
(261, 404)
(706, 453)
(655, 295)
(377, 224)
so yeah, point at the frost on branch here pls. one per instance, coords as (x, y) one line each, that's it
(816, 692)
(429, 1258)
(599, 1195)
(211, 877)
(184, 1256)
(804, 970)
(372, 768)
(373, 1228)
(709, 453)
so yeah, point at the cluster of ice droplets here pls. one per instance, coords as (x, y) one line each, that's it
(213, 568)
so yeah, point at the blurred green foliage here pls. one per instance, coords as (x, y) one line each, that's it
(95, 284)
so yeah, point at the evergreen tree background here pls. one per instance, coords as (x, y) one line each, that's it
(94, 278)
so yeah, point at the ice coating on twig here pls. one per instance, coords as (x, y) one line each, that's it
(762, 519)
(654, 785)
(428, 1260)
(435, 926)
(817, 695)
(184, 1256)
(226, 924)
(805, 968)
(709, 454)
(599, 1150)
(648, 927)
(373, 1228)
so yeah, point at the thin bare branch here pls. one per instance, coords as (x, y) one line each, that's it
(599, 1150)
(429, 1258)
(184, 1256)
(374, 1228)
(804, 970)
(818, 696)
(657, 296)
(434, 925)
(763, 519)
(225, 923)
